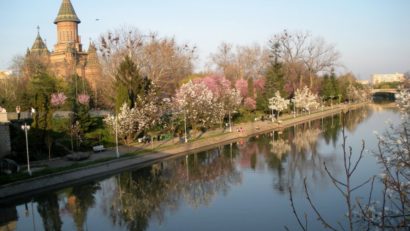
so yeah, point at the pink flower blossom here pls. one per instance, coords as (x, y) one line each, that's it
(83, 99)
(242, 86)
(58, 99)
(217, 84)
(250, 104)
(259, 85)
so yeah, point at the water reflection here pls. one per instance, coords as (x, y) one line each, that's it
(48, 208)
(79, 199)
(133, 200)
(146, 194)
(8, 218)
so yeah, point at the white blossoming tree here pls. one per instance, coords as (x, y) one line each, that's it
(231, 100)
(196, 104)
(393, 155)
(125, 122)
(403, 101)
(305, 99)
(132, 121)
(278, 104)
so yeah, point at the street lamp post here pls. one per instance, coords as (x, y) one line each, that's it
(273, 116)
(322, 102)
(294, 108)
(26, 127)
(230, 125)
(185, 133)
(116, 137)
(331, 101)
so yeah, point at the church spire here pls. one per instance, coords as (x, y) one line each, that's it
(39, 47)
(66, 13)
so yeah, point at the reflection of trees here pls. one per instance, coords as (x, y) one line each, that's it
(79, 201)
(8, 218)
(332, 125)
(142, 195)
(208, 174)
(355, 117)
(280, 147)
(138, 196)
(306, 140)
(48, 208)
(331, 128)
(303, 158)
(250, 152)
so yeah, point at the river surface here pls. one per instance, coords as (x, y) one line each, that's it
(239, 186)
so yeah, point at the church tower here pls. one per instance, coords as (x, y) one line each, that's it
(67, 28)
(68, 57)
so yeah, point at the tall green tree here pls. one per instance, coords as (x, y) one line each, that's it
(41, 86)
(274, 79)
(333, 82)
(327, 88)
(129, 81)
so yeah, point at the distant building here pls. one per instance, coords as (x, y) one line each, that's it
(385, 78)
(363, 82)
(68, 56)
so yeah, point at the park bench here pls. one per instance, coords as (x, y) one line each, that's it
(99, 148)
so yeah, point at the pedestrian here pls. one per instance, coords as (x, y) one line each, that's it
(18, 110)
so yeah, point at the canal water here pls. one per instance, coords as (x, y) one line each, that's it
(239, 186)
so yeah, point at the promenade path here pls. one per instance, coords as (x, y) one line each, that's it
(150, 153)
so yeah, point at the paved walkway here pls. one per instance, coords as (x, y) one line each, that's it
(153, 152)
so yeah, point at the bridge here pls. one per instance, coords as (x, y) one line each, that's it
(390, 90)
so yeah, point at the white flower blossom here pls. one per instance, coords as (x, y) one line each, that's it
(305, 99)
(278, 103)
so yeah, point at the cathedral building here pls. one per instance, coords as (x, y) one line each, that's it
(68, 57)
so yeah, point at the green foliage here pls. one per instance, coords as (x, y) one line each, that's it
(274, 82)
(329, 86)
(327, 89)
(86, 122)
(333, 83)
(129, 78)
(40, 89)
(121, 97)
(262, 102)
(343, 83)
(246, 116)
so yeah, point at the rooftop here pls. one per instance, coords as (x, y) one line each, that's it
(66, 13)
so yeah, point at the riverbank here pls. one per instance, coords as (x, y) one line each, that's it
(104, 164)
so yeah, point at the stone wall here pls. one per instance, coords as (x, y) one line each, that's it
(5, 144)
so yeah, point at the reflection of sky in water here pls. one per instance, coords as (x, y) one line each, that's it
(236, 187)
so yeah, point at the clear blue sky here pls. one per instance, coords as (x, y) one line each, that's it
(373, 36)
